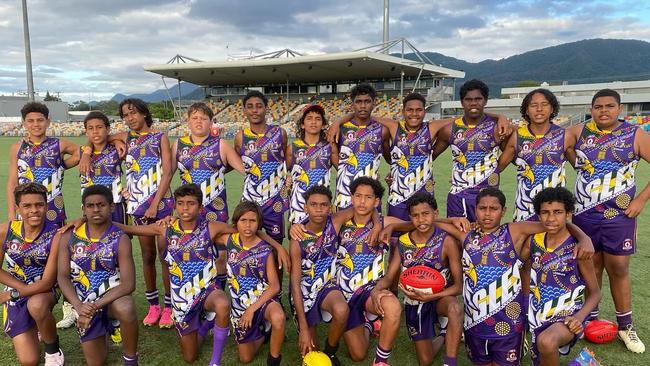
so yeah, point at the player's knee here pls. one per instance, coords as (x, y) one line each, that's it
(31, 359)
(246, 357)
(392, 308)
(149, 257)
(358, 354)
(277, 320)
(425, 360)
(340, 311)
(38, 307)
(454, 311)
(546, 343)
(189, 355)
(619, 270)
(124, 309)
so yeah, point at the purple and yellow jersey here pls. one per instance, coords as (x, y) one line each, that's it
(475, 153)
(540, 164)
(143, 171)
(411, 163)
(359, 156)
(606, 163)
(105, 170)
(42, 163)
(556, 288)
(190, 256)
(318, 253)
(26, 259)
(201, 164)
(359, 264)
(247, 277)
(94, 267)
(311, 167)
(266, 169)
(492, 285)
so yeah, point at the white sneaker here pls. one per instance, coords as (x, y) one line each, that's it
(631, 340)
(55, 359)
(69, 316)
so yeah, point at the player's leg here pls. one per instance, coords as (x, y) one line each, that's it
(27, 347)
(334, 303)
(275, 315)
(449, 307)
(40, 307)
(95, 351)
(190, 346)
(357, 339)
(148, 249)
(166, 320)
(222, 273)
(218, 303)
(549, 342)
(389, 325)
(123, 309)
(420, 324)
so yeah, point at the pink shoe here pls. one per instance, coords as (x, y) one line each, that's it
(380, 364)
(152, 316)
(166, 320)
(376, 326)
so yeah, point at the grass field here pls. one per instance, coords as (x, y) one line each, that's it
(160, 347)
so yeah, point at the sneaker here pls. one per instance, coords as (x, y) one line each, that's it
(380, 364)
(152, 315)
(116, 336)
(166, 320)
(55, 359)
(69, 316)
(335, 360)
(585, 358)
(631, 340)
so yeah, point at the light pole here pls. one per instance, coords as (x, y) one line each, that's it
(28, 54)
(386, 6)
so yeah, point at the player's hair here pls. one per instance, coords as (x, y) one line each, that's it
(421, 197)
(255, 94)
(555, 194)
(97, 115)
(247, 206)
(606, 93)
(474, 84)
(189, 190)
(377, 188)
(414, 96)
(34, 107)
(492, 192)
(301, 130)
(200, 107)
(29, 188)
(97, 190)
(550, 97)
(319, 189)
(363, 89)
(139, 106)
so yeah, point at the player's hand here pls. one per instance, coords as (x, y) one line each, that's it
(4, 297)
(504, 128)
(388, 179)
(574, 325)
(297, 232)
(126, 194)
(84, 164)
(635, 207)
(305, 342)
(288, 182)
(72, 225)
(417, 294)
(11, 214)
(87, 309)
(374, 235)
(151, 212)
(584, 249)
(376, 296)
(461, 223)
(167, 221)
(120, 146)
(284, 261)
(246, 319)
(333, 133)
(386, 234)
(83, 322)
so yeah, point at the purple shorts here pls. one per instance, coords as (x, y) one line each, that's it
(316, 315)
(196, 316)
(273, 224)
(421, 320)
(100, 325)
(399, 211)
(16, 319)
(119, 214)
(259, 326)
(462, 205)
(615, 237)
(502, 351)
(564, 350)
(357, 304)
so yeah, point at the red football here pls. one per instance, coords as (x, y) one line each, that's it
(423, 277)
(601, 331)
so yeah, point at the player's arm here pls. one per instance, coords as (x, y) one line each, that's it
(285, 142)
(504, 127)
(452, 230)
(237, 146)
(127, 274)
(219, 231)
(49, 274)
(442, 142)
(570, 139)
(274, 285)
(154, 229)
(118, 140)
(63, 277)
(230, 157)
(385, 143)
(334, 158)
(5, 277)
(525, 269)
(335, 127)
(508, 154)
(305, 343)
(642, 149)
(390, 124)
(72, 150)
(451, 250)
(12, 181)
(165, 177)
(437, 125)
(588, 274)
(522, 230)
(390, 228)
(394, 267)
(283, 256)
(289, 157)
(173, 157)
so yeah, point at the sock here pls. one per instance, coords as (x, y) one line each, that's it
(381, 355)
(624, 319)
(218, 343)
(330, 350)
(152, 297)
(222, 278)
(168, 301)
(368, 326)
(53, 347)
(449, 361)
(130, 360)
(593, 315)
(273, 361)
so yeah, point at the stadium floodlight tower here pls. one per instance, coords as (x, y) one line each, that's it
(28, 55)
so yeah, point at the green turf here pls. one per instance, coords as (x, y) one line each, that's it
(160, 347)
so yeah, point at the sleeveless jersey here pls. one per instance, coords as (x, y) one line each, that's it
(246, 274)
(411, 163)
(318, 263)
(475, 155)
(191, 256)
(359, 264)
(143, 170)
(556, 288)
(311, 167)
(42, 163)
(94, 267)
(359, 156)
(492, 285)
(540, 164)
(606, 165)
(201, 164)
(266, 169)
(26, 259)
(105, 170)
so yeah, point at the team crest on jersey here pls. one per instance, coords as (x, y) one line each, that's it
(627, 244)
(460, 134)
(79, 250)
(525, 147)
(511, 356)
(590, 141)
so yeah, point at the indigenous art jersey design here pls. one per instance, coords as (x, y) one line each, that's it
(42, 163)
(475, 154)
(143, 171)
(492, 285)
(318, 263)
(266, 169)
(94, 267)
(606, 165)
(428, 253)
(246, 274)
(360, 154)
(412, 163)
(191, 256)
(26, 259)
(105, 170)
(540, 164)
(201, 164)
(556, 288)
(359, 264)
(311, 167)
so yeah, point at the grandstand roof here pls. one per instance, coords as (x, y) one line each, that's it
(334, 67)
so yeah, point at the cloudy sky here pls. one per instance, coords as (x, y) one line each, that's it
(87, 49)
